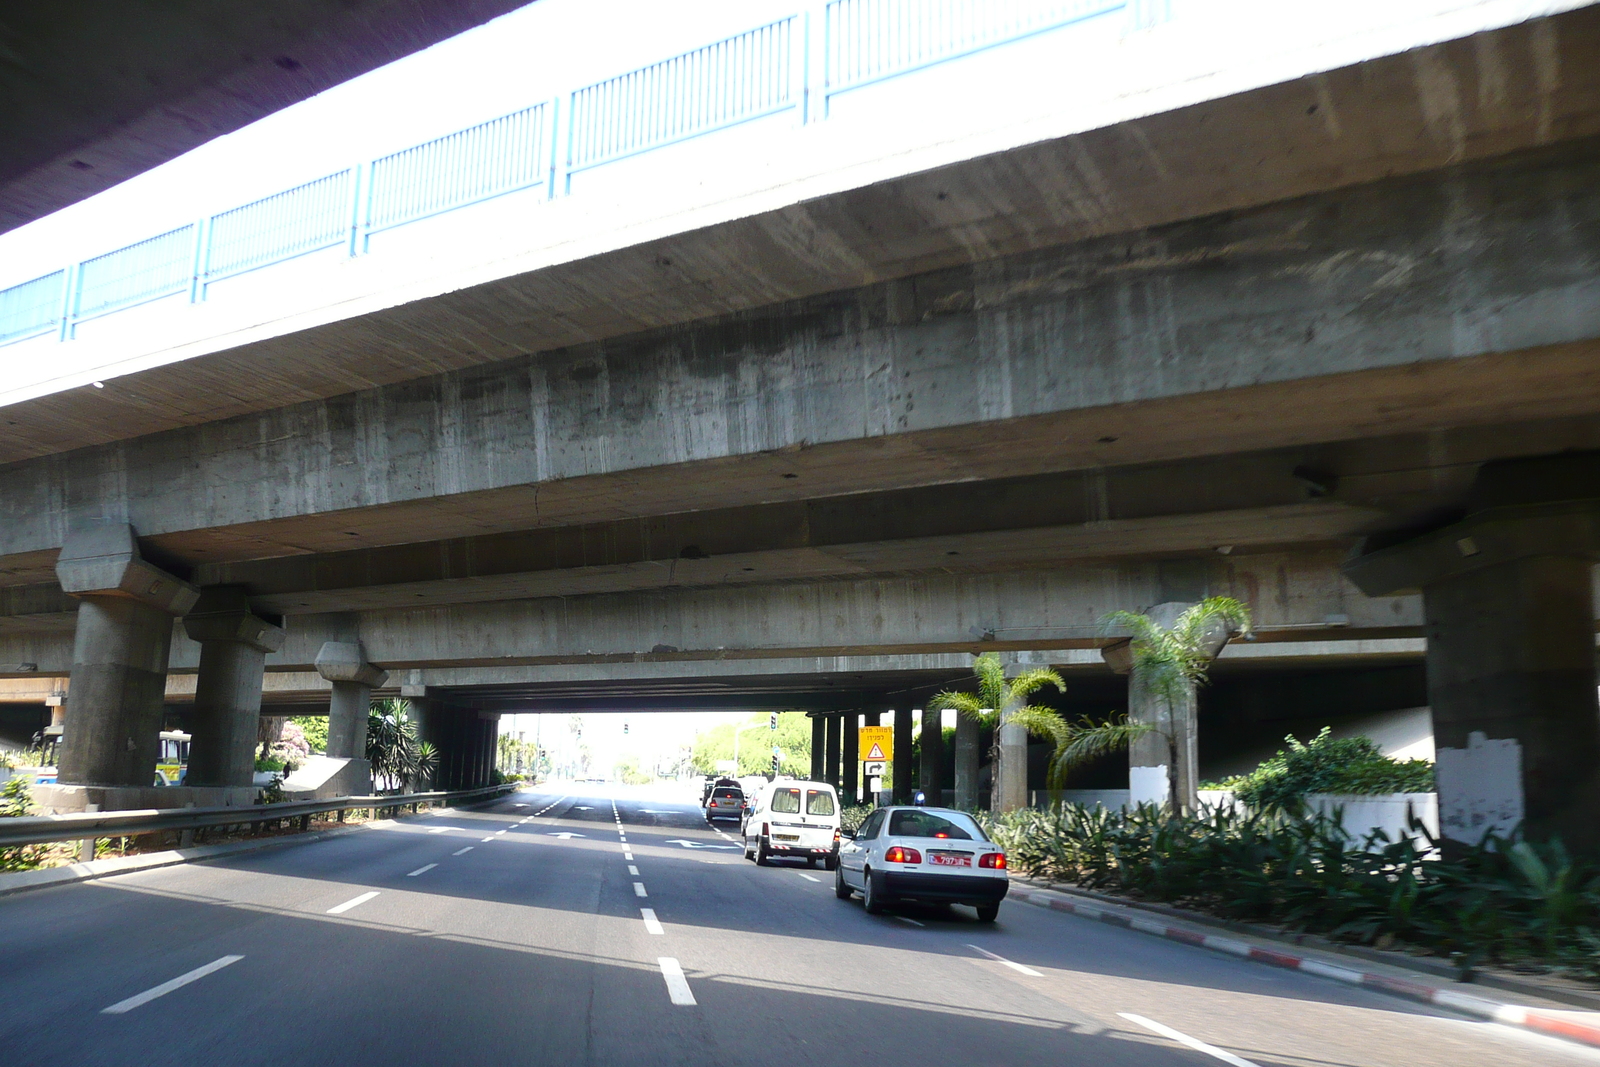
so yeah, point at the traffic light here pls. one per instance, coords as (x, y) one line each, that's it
(772, 723)
(624, 727)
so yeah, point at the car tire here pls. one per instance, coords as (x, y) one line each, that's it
(871, 898)
(840, 888)
(763, 857)
(811, 861)
(987, 912)
(749, 853)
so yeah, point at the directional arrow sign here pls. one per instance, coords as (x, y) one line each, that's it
(696, 844)
(564, 835)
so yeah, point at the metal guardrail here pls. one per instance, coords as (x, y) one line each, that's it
(40, 829)
(797, 63)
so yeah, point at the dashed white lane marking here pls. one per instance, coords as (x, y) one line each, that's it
(627, 855)
(913, 922)
(443, 829)
(497, 833)
(1019, 968)
(638, 890)
(462, 852)
(633, 870)
(487, 840)
(807, 877)
(651, 923)
(353, 902)
(677, 985)
(1185, 1039)
(422, 870)
(199, 972)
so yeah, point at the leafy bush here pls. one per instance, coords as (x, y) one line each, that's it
(1504, 901)
(851, 818)
(1325, 764)
(16, 800)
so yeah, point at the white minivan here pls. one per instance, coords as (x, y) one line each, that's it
(790, 818)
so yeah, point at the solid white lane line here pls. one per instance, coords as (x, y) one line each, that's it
(677, 984)
(807, 877)
(638, 890)
(353, 902)
(166, 987)
(650, 922)
(462, 852)
(1185, 1039)
(422, 870)
(1019, 968)
(903, 919)
(633, 870)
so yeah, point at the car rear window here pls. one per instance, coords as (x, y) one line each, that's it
(728, 794)
(927, 824)
(786, 801)
(818, 802)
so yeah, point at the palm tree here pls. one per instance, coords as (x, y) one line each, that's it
(392, 746)
(1169, 662)
(1000, 702)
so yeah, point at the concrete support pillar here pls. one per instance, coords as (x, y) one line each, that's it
(1509, 618)
(835, 725)
(1011, 776)
(234, 643)
(903, 755)
(345, 665)
(119, 657)
(850, 756)
(967, 762)
(819, 748)
(423, 718)
(932, 770)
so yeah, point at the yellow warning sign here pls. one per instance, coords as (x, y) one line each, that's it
(877, 743)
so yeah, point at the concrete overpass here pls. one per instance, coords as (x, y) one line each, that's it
(877, 382)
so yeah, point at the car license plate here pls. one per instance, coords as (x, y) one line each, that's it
(786, 837)
(949, 859)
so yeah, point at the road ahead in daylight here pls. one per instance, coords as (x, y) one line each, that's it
(608, 925)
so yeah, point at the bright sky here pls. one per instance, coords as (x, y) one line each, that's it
(651, 734)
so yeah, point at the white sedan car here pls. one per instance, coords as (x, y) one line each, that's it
(934, 855)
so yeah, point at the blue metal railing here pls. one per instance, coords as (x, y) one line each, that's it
(870, 40)
(732, 81)
(149, 270)
(32, 308)
(501, 156)
(765, 71)
(307, 218)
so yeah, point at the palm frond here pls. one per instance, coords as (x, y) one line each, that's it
(991, 680)
(961, 703)
(1090, 742)
(1040, 722)
(1029, 682)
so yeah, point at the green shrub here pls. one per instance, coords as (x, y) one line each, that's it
(851, 818)
(1504, 901)
(1325, 764)
(16, 800)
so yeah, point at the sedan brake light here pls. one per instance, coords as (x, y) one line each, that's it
(997, 860)
(897, 854)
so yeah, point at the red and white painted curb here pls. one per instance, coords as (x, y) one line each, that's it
(1581, 1026)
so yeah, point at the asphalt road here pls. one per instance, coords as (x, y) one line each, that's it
(516, 934)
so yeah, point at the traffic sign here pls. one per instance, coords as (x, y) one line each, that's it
(877, 743)
(873, 770)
